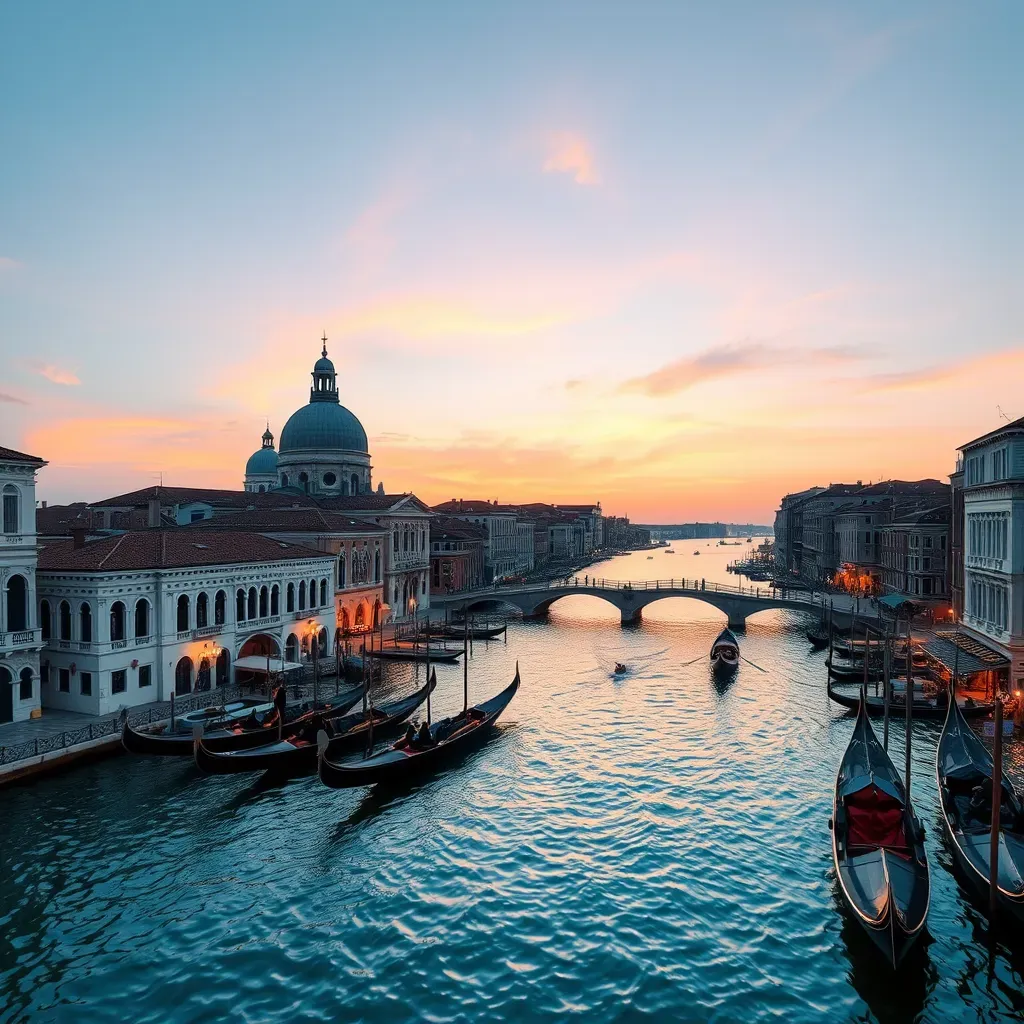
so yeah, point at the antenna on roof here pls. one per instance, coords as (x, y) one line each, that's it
(999, 408)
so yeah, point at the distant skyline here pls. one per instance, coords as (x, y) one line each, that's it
(680, 259)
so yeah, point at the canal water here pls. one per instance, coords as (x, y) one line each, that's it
(652, 846)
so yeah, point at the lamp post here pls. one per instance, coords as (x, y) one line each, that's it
(314, 642)
(211, 652)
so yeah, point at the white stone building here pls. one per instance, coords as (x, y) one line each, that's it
(993, 495)
(134, 617)
(20, 636)
(509, 551)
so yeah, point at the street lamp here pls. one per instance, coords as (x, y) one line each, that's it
(314, 641)
(211, 652)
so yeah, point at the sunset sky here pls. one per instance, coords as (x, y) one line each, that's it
(679, 258)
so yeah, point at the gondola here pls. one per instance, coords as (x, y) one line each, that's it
(922, 709)
(962, 764)
(409, 762)
(297, 754)
(475, 632)
(818, 637)
(254, 729)
(440, 656)
(853, 671)
(878, 846)
(725, 653)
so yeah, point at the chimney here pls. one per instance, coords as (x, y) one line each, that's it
(153, 518)
(44, 504)
(78, 537)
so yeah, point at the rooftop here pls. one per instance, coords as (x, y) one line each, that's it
(10, 455)
(303, 520)
(1015, 427)
(193, 495)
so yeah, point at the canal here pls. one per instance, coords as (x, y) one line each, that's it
(650, 846)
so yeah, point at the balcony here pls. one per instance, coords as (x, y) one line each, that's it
(201, 631)
(18, 640)
(981, 562)
(263, 623)
(14, 540)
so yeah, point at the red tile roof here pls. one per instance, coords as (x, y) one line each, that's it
(442, 527)
(474, 507)
(169, 549)
(208, 495)
(10, 455)
(369, 502)
(281, 520)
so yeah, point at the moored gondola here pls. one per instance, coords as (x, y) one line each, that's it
(725, 653)
(963, 770)
(297, 754)
(878, 846)
(410, 761)
(818, 636)
(923, 708)
(436, 655)
(258, 727)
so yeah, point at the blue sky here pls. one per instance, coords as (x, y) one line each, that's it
(680, 258)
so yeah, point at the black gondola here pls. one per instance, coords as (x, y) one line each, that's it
(878, 846)
(725, 653)
(408, 762)
(818, 636)
(254, 729)
(923, 709)
(297, 754)
(475, 632)
(438, 656)
(963, 770)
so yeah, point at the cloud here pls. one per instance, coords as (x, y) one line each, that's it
(6, 263)
(56, 375)
(572, 385)
(571, 154)
(955, 373)
(728, 361)
(12, 399)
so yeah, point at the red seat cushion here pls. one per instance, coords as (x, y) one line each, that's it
(875, 820)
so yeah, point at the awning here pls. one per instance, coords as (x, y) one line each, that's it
(254, 663)
(894, 600)
(972, 656)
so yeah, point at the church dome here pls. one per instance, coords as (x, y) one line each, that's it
(323, 365)
(262, 463)
(323, 425)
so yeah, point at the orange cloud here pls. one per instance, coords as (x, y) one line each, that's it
(56, 375)
(931, 378)
(571, 154)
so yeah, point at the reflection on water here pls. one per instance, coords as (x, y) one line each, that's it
(648, 844)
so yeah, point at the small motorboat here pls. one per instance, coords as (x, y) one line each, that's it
(963, 769)
(878, 846)
(725, 653)
(650, 558)
(409, 761)
(297, 754)
(696, 552)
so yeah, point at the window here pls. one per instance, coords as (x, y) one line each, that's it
(251, 604)
(202, 611)
(64, 680)
(117, 621)
(12, 500)
(85, 684)
(264, 602)
(376, 567)
(145, 675)
(330, 479)
(85, 624)
(65, 621)
(183, 612)
(323, 593)
(355, 484)
(141, 618)
(275, 600)
(118, 681)
(302, 594)
(223, 666)
(195, 517)
(284, 479)
(44, 618)
(290, 598)
(25, 688)
(183, 677)
(240, 605)
(341, 570)
(220, 608)
(312, 594)
(17, 604)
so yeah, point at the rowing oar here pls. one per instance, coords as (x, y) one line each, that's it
(758, 667)
(695, 660)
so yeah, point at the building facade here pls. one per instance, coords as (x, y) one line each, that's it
(915, 557)
(20, 634)
(457, 560)
(136, 617)
(508, 550)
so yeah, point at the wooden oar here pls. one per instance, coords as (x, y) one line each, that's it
(749, 662)
(695, 660)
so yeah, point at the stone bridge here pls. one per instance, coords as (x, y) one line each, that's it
(736, 602)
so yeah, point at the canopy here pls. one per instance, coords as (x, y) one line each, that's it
(972, 657)
(894, 600)
(256, 663)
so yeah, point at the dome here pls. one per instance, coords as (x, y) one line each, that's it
(323, 425)
(262, 463)
(323, 365)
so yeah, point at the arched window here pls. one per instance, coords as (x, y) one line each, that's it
(183, 613)
(220, 608)
(355, 484)
(17, 603)
(44, 619)
(405, 596)
(396, 542)
(312, 593)
(322, 639)
(223, 667)
(203, 676)
(376, 567)
(344, 620)
(284, 479)
(85, 624)
(323, 593)
(291, 648)
(12, 503)
(183, 677)
(202, 610)
(275, 600)
(240, 605)
(261, 488)
(405, 540)
(141, 617)
(395, 602)
(304, 481)
(360, 616)
(341, 570)
(264, 602)
(302, 594)
(65, 620)
(289, 600)
(26, 684)
(305, 648)
(251, 606)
